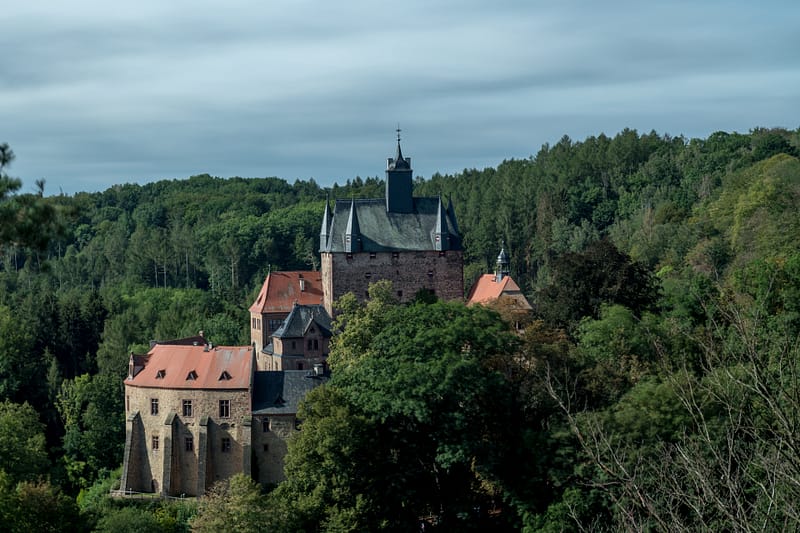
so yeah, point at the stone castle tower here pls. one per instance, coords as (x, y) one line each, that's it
(413, 242)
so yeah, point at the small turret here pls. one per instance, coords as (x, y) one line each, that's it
(441, 234)
(352, 234)
(502, 265)
(325, 231)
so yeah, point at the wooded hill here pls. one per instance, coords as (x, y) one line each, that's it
(655, 385)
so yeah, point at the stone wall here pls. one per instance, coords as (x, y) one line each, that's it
(440, 272)
(176, 471)
(270, 446)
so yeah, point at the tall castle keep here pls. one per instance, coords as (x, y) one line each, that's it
(413, 242)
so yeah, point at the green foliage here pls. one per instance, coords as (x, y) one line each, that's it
(36, 506)
(582, 282)
(23, 456)
(128, 520)
(416, 412)
(234, 505)
(93, 411)
(86, 279)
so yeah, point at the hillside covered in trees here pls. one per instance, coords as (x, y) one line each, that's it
(655, 386)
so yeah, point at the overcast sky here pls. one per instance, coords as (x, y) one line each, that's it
(98, 93)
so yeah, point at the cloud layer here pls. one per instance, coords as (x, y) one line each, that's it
(93, 93)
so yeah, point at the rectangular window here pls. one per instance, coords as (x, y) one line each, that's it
(189, 442)
(265, 425)
(127, 403)
(153, 406)
(226, 444)
(224, 408)
(154, 443)
(187, 408)
(274, 324)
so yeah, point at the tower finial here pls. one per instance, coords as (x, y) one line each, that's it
(398, 130)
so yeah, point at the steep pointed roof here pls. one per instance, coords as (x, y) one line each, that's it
(301, 318)
(282, 289)
(325, 229)
(451, 214)
(399, 162)
(488, 289)
(441, 234)
(352, 233)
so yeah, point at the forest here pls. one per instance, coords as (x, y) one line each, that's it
(655, 385)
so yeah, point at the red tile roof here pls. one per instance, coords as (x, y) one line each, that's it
(487, 289)
(176, 363)
(282, 289)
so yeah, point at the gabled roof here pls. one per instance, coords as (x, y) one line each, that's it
(301, 318)
(175, 366)
(281, 290)
(280, 392)
(488, 289)
(382, 231)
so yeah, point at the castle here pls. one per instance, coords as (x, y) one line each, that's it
(198, 413)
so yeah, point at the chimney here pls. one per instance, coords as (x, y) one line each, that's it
(302, 285)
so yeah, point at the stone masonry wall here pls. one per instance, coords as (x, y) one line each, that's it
(440, 272)
(185, 463)
(270, 446)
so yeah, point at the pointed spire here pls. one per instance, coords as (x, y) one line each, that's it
(451, 213)
(352, 234)
(325, 230)
(441, 235)
(502, 264)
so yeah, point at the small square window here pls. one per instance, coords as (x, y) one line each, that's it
(153, 406)
(224, 408)
(154, 443)
(189, 444)
(266, 447)
(226, 445)
(187, 408)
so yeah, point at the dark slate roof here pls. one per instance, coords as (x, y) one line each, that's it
(300, 319)
(382, 231)
(278, 392)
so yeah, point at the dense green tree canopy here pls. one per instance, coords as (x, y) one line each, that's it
(417, 414)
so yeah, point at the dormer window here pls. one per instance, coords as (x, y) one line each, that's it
(191, 376)
(224, 376)
(160, 374)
